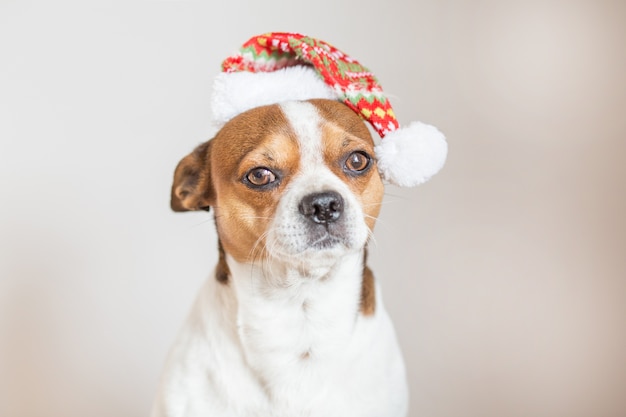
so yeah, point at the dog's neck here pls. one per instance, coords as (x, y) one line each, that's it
(291, 315)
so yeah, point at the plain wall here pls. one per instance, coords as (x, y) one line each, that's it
(505, 274)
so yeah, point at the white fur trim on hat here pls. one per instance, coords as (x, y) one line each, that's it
(236, 92)
(411, 155)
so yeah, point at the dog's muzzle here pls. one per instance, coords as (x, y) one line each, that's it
(324, 220)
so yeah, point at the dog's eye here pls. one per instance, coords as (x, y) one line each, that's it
(358, 162)
(260, 177)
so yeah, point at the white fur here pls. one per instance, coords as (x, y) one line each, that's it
(411, 155)
(234, 93)
(284, 337)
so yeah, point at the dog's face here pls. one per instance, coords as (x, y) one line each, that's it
(291, 181)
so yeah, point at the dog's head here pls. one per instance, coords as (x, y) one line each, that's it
(292, 181)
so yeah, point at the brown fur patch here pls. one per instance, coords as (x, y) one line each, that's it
(222, 272)
(368, 289)
(260, 137)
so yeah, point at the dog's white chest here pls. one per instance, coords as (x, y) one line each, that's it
(303, 356)
(294, 335)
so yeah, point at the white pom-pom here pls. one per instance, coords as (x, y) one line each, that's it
(411, 155)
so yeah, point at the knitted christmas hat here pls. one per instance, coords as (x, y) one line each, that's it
(277, 67)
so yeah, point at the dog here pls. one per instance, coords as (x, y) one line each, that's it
(291, 323)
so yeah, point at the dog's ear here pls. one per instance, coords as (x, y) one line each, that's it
(192, 188)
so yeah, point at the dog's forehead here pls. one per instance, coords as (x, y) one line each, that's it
(290, 121)
(342, 117)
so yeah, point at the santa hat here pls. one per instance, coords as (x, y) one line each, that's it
(277, 67)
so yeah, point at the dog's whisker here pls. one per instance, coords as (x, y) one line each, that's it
(398, 196)
(379, 203)
(256, 245)
(378, 219)
(202, 223)
(371, 237)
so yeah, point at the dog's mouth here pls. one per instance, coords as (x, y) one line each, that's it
(313, 241)
(327, 241)
(327, 236)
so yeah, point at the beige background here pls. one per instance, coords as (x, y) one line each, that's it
(505, 275)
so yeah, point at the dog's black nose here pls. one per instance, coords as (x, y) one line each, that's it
(323, 208)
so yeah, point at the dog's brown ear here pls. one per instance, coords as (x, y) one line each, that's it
(192, 188)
